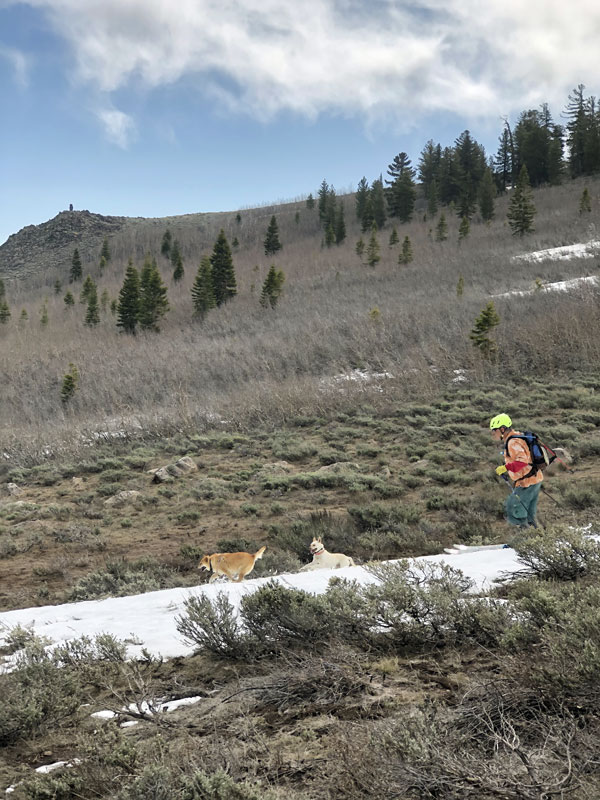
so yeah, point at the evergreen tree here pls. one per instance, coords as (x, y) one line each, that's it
(113, 306)
(441, 230)
(176, 256)
(153, 303)
(104, 300)
(323, 201)
(460, 286)
(203, 294)
(76, 268)
(406, 254)
(235, 243)
(24, 316)
(585, 204)
(92, 316)
(368, 218)
(361, 197)
(57, 286)
(484, 324)
(470, 164)
(103, 263)
(360, 247)
(329, 235)
(238, 218)
(577, 126)
(105, 252)
(448, 177)
(165, 247)
(4, 309)
(432, 199)
(310, 201)
(178, 272)
(377, 198)
(70, 384)
(504, 158)
(272, 244)
(223, 272)
(556, 164)
(128, 305)
(487, 192)
(521, 210)
(429, 165)
(340, 225)
(464, 228)
(87, 287)
(69, 299)
(401, 192)
(394, 238)
(296, 218)
(272, 288)
(373, 253)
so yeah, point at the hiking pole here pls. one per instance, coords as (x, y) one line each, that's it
(501, 473)
(554, 500)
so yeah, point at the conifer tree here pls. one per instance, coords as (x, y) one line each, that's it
(362, 194)
(394, 238)
(113, 306)
(297, 217)
(432, 198)
(175, 256)
(76, 268)
(272, 287)
(521, 210)
(377, 198)
(86, 289)
(69, 299)
(24, 315)
(92, 316)
(223, 273)
(340, 225)
(484, 324)
(238, 218)
(203, 295)
(128, 305)
(322, 202)
(70, 384)
(153, 296)
(329, 235)
(43, 316)
(373, 253)
(487, 192)
(460, 286)
(165, 247)
(4, 309)
(406, 254)
(57, 286)
(441, 229)
(178, 272)
(360, 247)
(272, 244)
(310, 201)
(104, 300)
(105, 252)
(464, 228)
(235, 243)
(368, 216)
(103, 263)
(585, 204)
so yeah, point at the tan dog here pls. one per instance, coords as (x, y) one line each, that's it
(322, 559)
(234, 566)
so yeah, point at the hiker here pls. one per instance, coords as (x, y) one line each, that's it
(527, 477)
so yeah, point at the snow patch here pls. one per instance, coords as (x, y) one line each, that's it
(558, 286)
(589, 250)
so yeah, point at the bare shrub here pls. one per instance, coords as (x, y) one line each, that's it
(213, 626)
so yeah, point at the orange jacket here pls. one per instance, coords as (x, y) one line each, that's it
(518, 461)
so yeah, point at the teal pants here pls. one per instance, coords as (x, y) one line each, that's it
(521, 505)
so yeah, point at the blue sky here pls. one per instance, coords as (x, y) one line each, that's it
(131, 107)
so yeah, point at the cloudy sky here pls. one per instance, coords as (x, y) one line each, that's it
(131, 107)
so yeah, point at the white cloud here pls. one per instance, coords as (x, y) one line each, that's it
(343, 56)
(19, 64)
(119, 127)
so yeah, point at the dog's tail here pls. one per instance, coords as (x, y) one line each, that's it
(259, 553)
(352, 564)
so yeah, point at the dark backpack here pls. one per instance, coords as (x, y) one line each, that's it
(541, 455)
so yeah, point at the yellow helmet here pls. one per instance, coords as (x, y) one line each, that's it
(500, 421)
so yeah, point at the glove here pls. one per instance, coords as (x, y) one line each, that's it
(500, 470)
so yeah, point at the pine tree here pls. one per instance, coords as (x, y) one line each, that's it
(88, 284)
(223, 272)
(585, 204)
(178, 272)
(484, 324)
(505, 158)
(297, 217)
(103, 263)
(394, 238)
(272, 244)
(323, 201)
(153, 296)
(460, 286)
(92, 316)
(401, 194)
(464, 228)
(377, 198)
(70, 384)
(272, 287)
(165, 247)
(487, 192)
(441, 230)
(360, 247)
(432, 199)
(329, 235)
(128, 305)
(105, 252)
(310, 201)
(406, 254)
(24, 315)
(104, 300)
(429, 165)
(238, 218)
(470, 165)
(362, 194)
(43, 316)
(4, 309)
(340, 225)
(203, 295)
(521, 210)
(373, 255)
(57, 286)
(76, 268)
(235, 243)
(175, 256)
(69, 299)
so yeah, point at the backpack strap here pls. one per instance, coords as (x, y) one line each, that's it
(534, 468)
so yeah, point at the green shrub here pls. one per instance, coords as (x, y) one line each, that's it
(213, 626)
(558, 553)
(120, 578)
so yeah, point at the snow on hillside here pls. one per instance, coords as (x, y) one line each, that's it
(589, 250)
(557, 286)
(148, 620)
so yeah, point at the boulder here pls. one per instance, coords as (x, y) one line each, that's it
(121, 498)
(14, 490)
(340, 466)
(161, 475)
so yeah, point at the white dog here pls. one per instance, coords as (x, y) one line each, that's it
(322, 559)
